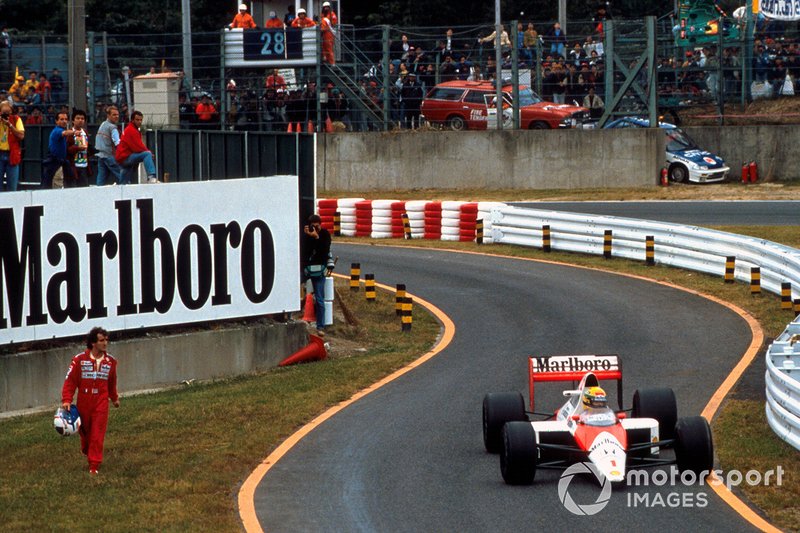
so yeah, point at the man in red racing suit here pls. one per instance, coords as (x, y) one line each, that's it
(94, 374)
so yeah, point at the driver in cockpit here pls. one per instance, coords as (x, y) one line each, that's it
(595, 408)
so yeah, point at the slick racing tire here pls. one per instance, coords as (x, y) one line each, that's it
(694, 445)
(518, 454)
(499, 408)
(678, 173)
(659, 404)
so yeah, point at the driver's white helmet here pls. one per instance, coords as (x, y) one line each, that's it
(67, 421)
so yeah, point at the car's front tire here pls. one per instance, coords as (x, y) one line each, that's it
(659, 404)
(694, 445)
(678, 173)
(518, 454)
(540, 125)
(499, 408)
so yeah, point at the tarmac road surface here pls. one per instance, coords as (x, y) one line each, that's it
(410, 457)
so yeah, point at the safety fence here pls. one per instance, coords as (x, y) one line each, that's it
(759, 262)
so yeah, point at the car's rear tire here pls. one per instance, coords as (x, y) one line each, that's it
(659, 404)
(694, 445)
(499, 408)
(456, 123)
(678, 173)
(518, 454)
(539, 125)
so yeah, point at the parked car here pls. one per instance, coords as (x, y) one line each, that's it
(461, 105)
(685, 160)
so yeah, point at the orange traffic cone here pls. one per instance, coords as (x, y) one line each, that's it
(314, 351)
(308, 309)
(310, 127)
(289, 129)
(328, 125)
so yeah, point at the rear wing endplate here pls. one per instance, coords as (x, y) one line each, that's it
(574, 368)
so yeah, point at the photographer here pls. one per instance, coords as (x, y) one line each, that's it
(319, 265)
(11, 133)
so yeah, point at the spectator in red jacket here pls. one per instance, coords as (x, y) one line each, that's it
(131, 151)
(206, 112)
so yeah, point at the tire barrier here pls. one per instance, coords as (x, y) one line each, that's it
(415, 219)
(693, 248)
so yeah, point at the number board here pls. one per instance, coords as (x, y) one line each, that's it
(260, 45)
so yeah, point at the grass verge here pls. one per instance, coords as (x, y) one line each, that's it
(174, 459)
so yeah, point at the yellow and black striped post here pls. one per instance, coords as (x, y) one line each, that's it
(607, 244)
(546, 238)
(479, 231)
(399, 295)
(755, 280)
(355, 276)
(406, 315)
(730, 268)
(796, 307)
(406, 226)
(369, 287)
(786, 296)
(337, 224)
(650, 250)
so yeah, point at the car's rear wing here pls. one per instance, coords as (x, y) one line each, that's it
(574, 368)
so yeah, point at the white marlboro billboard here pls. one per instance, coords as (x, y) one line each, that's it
(146, 255)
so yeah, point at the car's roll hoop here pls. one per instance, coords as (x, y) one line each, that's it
(590, 368)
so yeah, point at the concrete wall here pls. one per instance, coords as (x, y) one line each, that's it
(504, 159)
(774, 148)
(34, 379)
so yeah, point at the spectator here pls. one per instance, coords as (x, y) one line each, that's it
(557, 40)
(318, 264)
(206, 113)
(106, 145)
(398, 51)
(96, 387)
(17, 93)
(338, 108)
(35, 117)
(57, 86)
(243, 19)
(428, 77)
(447, 70)
(594, 104)
(44, 90)
(448, 41)
(186, 112)
(309, 102)
(78, 152)
(289, 16)
(275, 80)
(131, 151)
(302, 20)
(412, 96)
(55, 167)
(530, 40)
(273, 22)
(12, 132)
(5, 39)
(577, 55)
(31, 85)
(505, 42)
(760, 64)
(464, 68)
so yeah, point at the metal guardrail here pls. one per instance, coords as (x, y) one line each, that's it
(688, 247)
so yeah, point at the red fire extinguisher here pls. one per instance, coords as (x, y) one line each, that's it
(753, 171)
(664, 177)
(745, 172)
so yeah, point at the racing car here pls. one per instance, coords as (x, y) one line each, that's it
(585, 428)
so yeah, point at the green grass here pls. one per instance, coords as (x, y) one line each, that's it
(174, 459)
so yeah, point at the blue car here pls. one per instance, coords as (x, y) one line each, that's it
(685, 160)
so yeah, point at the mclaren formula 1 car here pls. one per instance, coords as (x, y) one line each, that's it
(586, 429)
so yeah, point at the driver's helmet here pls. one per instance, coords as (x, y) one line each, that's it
(594, 397)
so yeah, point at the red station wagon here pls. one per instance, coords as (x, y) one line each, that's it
(464, 105)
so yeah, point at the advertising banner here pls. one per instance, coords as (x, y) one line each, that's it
(140, 256)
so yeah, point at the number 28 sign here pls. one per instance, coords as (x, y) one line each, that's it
(261, 45)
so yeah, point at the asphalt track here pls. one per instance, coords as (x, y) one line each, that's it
(700, 213)
(409, 456)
